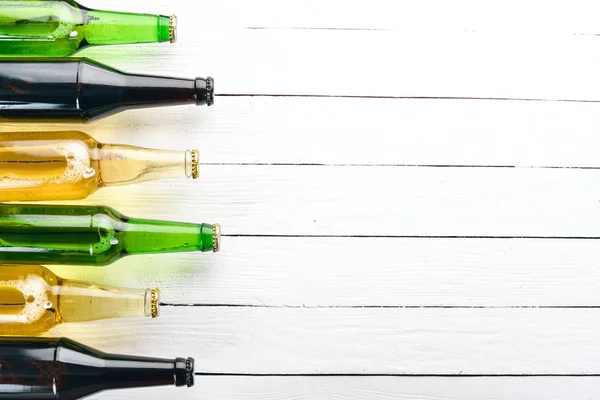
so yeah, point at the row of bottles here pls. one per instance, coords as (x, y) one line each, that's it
(36, 85)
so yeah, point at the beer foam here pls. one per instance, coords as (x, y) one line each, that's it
(78, 162)
(64, 30)
(33, 288)
(105, 243)
(78, 167)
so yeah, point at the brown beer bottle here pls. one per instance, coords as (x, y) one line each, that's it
(79, 90)
(53, 369)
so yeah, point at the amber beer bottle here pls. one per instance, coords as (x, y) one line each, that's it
(79, 90)
(72, 165)
(34, 300)
(62, 369)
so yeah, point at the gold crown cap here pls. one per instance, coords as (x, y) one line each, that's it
(155, 298)
(172, 28)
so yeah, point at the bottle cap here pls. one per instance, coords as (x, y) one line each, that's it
(184, 372)
(195, 161)
(205, 91)
(172, 28)
(192, 163)
(216, 238)
(155, 301)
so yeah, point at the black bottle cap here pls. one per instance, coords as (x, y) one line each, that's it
(184, 372)
(205, 91)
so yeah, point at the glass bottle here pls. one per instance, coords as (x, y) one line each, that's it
(60, 368)
(92, 235)
(57, 28)
(72, 165)
(79, 90)
(33, 300)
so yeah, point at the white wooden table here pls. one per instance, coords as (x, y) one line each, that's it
(409, 192)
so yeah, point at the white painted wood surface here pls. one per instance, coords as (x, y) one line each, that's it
(385, 388)
(407, 188)
(445, 341)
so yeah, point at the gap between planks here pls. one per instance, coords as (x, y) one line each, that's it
(373, 97)
(250, 235)
(465, 376)
(409, 307)
(398, 165)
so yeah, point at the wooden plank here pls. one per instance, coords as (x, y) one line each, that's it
(507, 18)
(359, 340)
(351, 63)
(288, 200)
(377, 388)
(330, 272)
(358, 131)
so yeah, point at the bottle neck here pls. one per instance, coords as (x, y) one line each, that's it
(103, 91)
(122, 165)
(141, 236)
(81, 302)
(91, 371)
(130, 372)
(108, 27)
(46, 368)
(147, 90)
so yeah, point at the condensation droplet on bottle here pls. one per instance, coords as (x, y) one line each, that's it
(74, 34)
(48, 305)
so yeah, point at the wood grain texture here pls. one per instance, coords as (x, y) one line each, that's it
(364, 131)
(356, 272)
(508, 18)
(379, 201)
(360, 340)
(326, 62)
(377, 388)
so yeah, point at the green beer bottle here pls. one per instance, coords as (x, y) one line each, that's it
(92, 235)
(59, 28)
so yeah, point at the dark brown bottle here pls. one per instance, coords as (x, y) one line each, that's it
(79, 90)
(46, 368)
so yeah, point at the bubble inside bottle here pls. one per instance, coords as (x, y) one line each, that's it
(64, 30)
(107, 239)
(33, 289)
